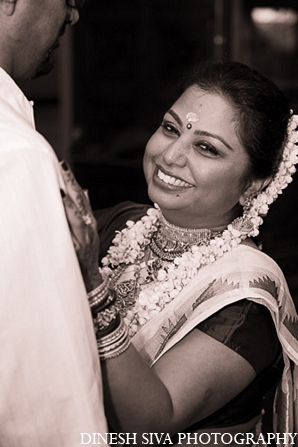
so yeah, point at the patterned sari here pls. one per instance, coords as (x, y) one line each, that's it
(243, 273)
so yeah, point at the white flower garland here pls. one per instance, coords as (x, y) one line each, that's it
(129, 244)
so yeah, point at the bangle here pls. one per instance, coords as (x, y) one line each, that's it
(103, 285)
(106, 339)
(98, 306)
(110, 329)
(99, 294)
(105, 317)
(113, 344)
(116, 352)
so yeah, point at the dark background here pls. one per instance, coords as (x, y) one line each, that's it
(114, 76)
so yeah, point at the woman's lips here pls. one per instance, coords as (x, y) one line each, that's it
(173, 181)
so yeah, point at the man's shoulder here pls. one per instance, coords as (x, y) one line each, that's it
(17, 128)
(16, 133)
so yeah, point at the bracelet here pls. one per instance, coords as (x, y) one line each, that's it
(100, 305)
(101, 287)
(117, 343)
(104, 318)
(113, 344)
(110, 329)
(98, 294)
(106, 339)
(116, 352)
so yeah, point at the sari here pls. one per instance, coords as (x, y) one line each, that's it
(243, 273)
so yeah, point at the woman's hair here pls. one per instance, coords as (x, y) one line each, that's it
(262, 110)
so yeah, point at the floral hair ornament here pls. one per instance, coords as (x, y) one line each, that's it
(249, 223)
(129, 245)
(191, 117)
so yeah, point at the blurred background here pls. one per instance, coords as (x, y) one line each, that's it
(113, 78)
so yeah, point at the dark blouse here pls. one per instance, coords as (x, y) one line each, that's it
(248, 329)
(245, 327)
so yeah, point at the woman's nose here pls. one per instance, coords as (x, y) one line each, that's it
(175, 154)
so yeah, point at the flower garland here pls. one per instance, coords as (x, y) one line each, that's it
(130, 244)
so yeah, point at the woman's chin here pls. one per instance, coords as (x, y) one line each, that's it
(163, 200)
(167, 197)
(168, 206)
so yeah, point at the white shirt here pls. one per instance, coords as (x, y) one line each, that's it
(50, 382)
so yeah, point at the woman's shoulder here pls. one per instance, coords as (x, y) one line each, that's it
(242, 326)
(247, 257)
(121, 212)
(110, 220)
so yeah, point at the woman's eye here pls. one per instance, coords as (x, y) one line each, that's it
(207, 149)
(169, 128)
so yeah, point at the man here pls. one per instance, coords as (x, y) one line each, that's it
(49, 373)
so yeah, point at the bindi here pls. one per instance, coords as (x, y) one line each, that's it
(192, 117)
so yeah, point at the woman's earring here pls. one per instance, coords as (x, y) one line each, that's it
(243, 223)
(247, 205)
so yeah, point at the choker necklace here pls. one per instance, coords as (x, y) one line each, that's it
(171, 241)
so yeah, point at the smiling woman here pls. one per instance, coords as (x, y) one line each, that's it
(190, 316)
(208, 160)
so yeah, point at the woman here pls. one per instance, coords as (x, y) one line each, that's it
(207, 312)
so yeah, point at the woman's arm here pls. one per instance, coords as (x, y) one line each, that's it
(83, 228)
(188, 383)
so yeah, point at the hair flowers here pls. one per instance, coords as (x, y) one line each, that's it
(129, 245)
(259, 205)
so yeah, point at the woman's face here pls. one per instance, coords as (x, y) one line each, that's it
(195, 166)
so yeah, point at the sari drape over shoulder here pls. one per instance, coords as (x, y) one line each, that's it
(243, 273)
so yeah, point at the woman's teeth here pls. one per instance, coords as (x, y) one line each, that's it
(172, 180)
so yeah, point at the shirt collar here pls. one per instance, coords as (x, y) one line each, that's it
(11, 93)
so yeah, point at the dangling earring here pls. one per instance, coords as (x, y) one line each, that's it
(243, 223)
(247, 205)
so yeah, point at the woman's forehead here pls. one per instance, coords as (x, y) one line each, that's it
(198, 104)
(207, 112)
(196, 96)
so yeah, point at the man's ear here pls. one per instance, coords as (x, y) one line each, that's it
(253, 188)
(8, 6)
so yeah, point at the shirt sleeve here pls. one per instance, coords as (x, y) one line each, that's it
(247, 328)
(50, 379)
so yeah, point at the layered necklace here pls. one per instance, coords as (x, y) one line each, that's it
(152, 260)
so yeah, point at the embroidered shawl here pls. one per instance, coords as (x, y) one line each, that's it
(243, 273)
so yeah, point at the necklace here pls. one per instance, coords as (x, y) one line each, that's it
(167, 243)
(170, 241)
(143, 288)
